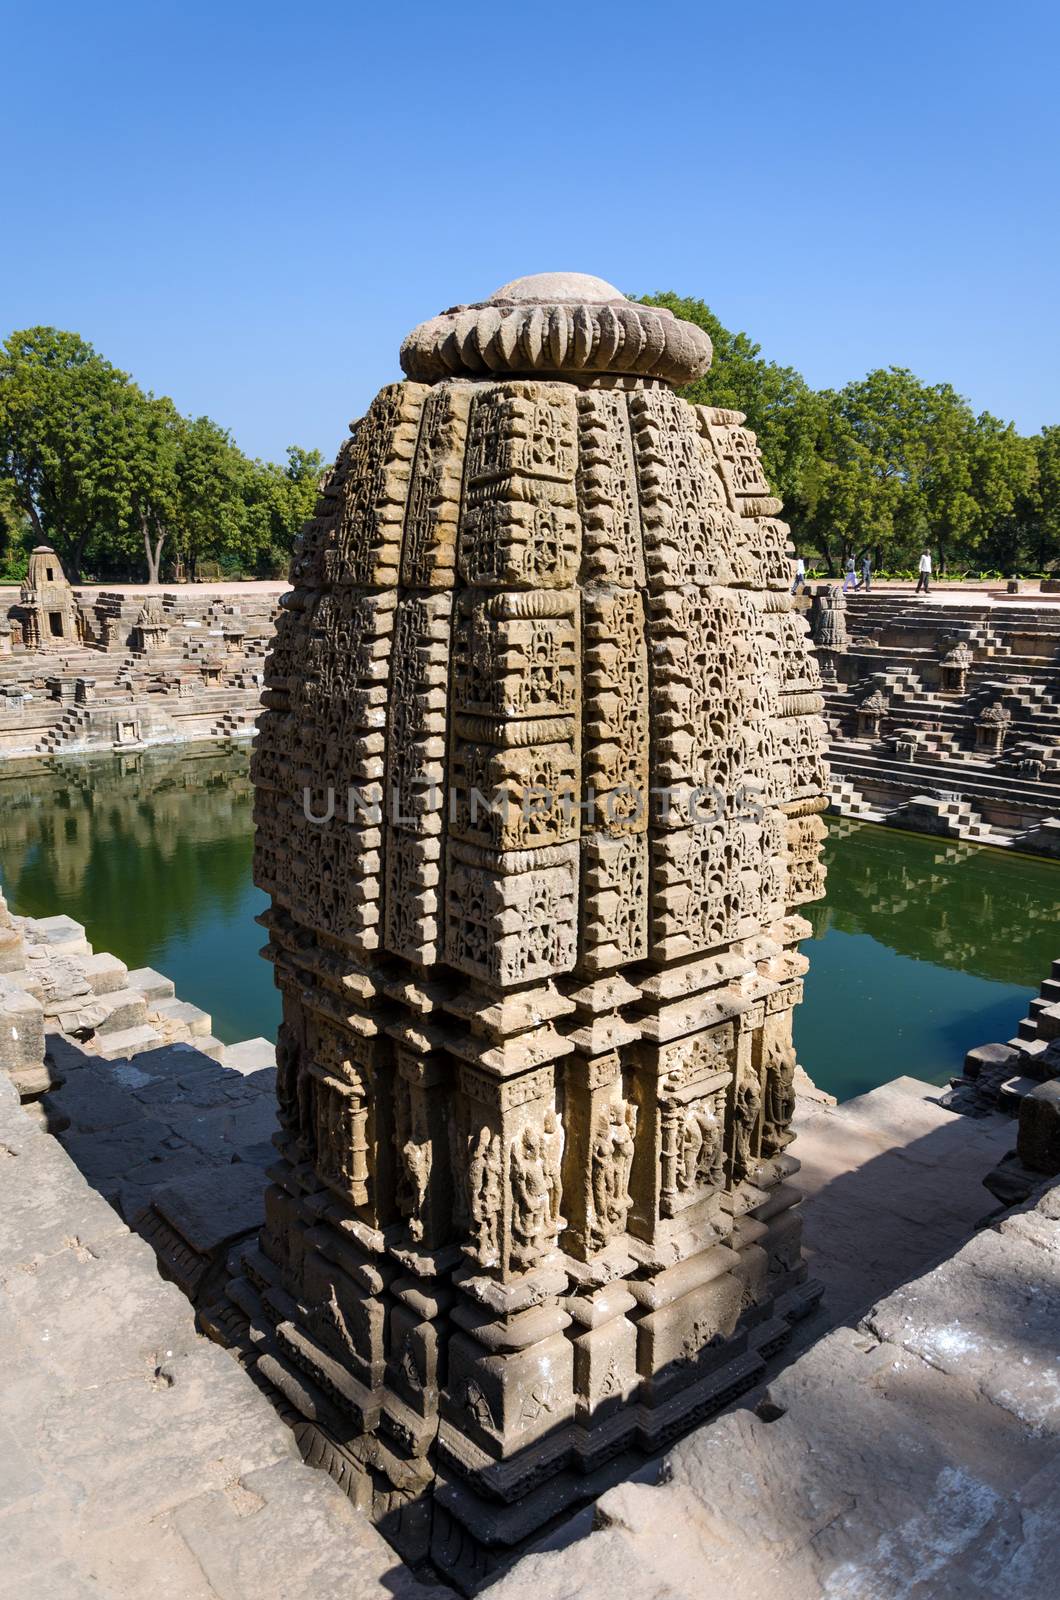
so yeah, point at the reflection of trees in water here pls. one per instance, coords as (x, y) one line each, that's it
(156, 835)
(979, 911)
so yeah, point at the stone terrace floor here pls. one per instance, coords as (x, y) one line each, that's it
(914, 1456)
(137, 1460)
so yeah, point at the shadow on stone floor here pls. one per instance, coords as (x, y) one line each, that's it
(177, 1142)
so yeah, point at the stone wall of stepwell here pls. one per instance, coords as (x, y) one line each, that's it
(905, 1443)
(943, 712)
(138, 667)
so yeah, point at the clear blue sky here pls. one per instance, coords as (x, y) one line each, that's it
(248, 205)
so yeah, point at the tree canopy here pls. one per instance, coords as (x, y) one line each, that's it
(888, 465)
(121, 484)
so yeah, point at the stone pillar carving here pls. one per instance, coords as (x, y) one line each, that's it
(151, 629)
(871, 713)
(829, 623)
(991, 728)
(539, 791)
(954, 667)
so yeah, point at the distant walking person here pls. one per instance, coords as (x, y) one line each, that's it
(800, 575)
(850, 576)
(923, 583)
(866, 572)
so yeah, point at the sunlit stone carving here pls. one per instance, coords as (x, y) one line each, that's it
(539, 788)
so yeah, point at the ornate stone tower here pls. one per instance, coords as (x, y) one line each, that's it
(538, 793)
(48, 610)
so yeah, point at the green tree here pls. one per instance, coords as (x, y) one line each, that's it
(278, 500)
(157, 439)
(16, 534)
(63, 439)
(1004, 474)
(779, 405)
(210, 512)
(1043, 520)
(858, 497)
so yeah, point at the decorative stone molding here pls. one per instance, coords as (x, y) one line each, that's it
(557, 324)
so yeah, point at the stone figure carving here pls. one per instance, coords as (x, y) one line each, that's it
(746, 1109)
(533, 1188)
(779, 1104)
(612, 1159)
(287, 1060)
(540, 639)
(701, 1145)
(484, 1191)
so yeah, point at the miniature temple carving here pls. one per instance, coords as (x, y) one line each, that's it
(539, 784)
(47, 610)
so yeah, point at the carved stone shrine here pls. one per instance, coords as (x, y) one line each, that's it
(539, 786)
(47, 609)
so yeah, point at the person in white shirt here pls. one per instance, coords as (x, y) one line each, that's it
(800, 575)
(923, 583)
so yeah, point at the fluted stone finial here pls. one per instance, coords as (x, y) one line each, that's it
(562, 324)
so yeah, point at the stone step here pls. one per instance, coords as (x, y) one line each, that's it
(61, 931)
(250, 1055)
(1030, 1050)
(1048, 1023)
(208, 1045)
(1013, 1090)
(112, 1046)
(105, 973)
(183, 1015)
(125, 1008)
(151, 984)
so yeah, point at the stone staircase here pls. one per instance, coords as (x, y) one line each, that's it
(108, 1011)
(231, 724)
(998, 1076)
(965, 823)
(846, 801)
(67, 730)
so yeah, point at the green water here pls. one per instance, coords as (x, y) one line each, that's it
(152, 853)
(921, 950)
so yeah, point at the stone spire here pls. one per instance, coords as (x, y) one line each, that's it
(539, 783)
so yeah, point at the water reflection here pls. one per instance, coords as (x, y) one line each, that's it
(152, 853)
(984, 912)
(921, 950)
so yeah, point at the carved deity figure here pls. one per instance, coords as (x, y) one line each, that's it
(484, 1194)
(532, 1198)
(779, 1107)
(416, 1165)
(288, 1056)
(700, 1149)
(746, 1109)
(612, 1158)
